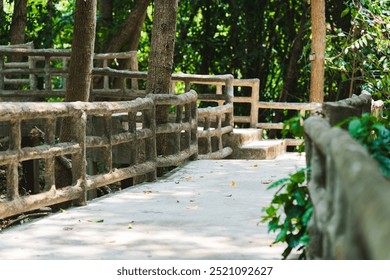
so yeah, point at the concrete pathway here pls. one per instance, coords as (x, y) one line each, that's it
(203, 210)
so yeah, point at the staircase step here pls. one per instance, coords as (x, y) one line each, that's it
(241, 136)
(265, 149)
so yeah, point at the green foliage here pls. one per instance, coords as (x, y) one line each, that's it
(289, 212)
(375, 136)
(294, 127)
(360, 57)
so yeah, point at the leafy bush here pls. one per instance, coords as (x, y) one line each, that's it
(293, 126)
(375, 136)
(289, 212)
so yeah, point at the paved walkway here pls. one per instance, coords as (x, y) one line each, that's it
(204, 210)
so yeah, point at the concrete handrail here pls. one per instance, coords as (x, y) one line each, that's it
(349, 194)
(139, 136)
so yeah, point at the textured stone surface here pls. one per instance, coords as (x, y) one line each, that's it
(204, 210)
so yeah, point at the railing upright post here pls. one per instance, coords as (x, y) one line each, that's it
(134, 67)
(79, 168)
(255, 95)
(12, 168)
(1, 74)
(150, 143)
(47, 73)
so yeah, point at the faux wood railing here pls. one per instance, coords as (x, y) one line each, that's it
(350, 195)
(138, 134)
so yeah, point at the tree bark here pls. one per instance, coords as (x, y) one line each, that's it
(18, 24)
(318, 25)
(105, 10)
(80, 69)
(161, 60)
(162, 47)
(291, 78)
(130, 31)
(80, 66)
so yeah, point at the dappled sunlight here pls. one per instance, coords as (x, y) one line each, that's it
(204, 210)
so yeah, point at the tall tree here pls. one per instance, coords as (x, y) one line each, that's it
(80, 72)
(162, 47)
(18, 24)
(161, 58)
(129, 34)
(105, 10)
(80, 66)
(318, 25)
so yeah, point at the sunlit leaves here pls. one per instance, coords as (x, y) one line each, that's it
(375, 136)
(362, 53)
(289, 212)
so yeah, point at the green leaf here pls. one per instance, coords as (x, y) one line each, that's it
(306, 216)
(345, 12)
(294, 212)
(300, 195)
(271, 211)
(95, 220)
(298, 177)
(304, 239)
(277, 183)
(273, 225)
(281, 237)
(292, 240)
(354, 127)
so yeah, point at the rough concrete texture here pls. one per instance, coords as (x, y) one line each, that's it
(203, 210)
(248, 144)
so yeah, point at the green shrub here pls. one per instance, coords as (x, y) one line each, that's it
(373, 134)
(289, 212)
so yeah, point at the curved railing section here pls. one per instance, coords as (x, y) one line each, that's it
(118, 138)
(349, 193)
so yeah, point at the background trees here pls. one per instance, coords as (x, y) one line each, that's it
(265, 39)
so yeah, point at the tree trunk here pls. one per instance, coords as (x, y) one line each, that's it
(207, 50)
(136, 28)
(318, 25)
(80, 66)
(291, 78)
(161, 60)
(50, 13)
(80, 69)
(162, 47)
(18, 24)
(130, 31)
(105, 10)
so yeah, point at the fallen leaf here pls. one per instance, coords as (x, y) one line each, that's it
(233, 184)
(96, 220)
(188, 178)
(130, 226)
(147, 192)
(266, 182)
(254, 165)
(201, 177)
(68, 228)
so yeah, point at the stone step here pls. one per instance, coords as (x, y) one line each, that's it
(264, 149)
(241, 136)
